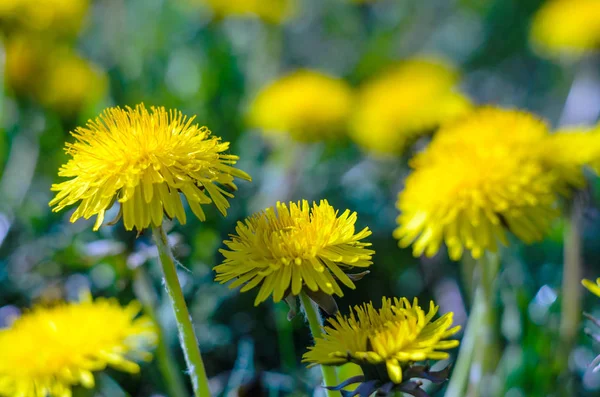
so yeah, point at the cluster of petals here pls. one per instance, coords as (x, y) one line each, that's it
(480, 177)
(397, 334)
(291, 247)
(47, 351)
(146, 161)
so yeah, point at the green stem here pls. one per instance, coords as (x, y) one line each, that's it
(166, 364)
(187, 336)
(315, 323)
(487, 355)
(462, 368)
(571, 296)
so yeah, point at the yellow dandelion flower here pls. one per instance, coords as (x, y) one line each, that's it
(308, 105)
(286, 249)
(570, 27)
(593, 287)
(52, 74)
(145, 160)
(273, 11)
(566, 152)
(48, 350)
(72, 83)
(408, 101)
(479, 177)
(396, 335)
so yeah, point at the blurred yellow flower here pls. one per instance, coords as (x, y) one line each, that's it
(145, 160)
(47, 351)
(52, 18)
(567, 151)
(52, 74)
(567, 26)
(308, 105)
(273, 11)
(24, 67)
(286, 249)
(8, 8)
(479, 177)
(72, 83)
(395, 335)
(410, 100)
(593, 287)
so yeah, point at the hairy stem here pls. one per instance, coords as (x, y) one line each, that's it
(315, 323)
(187, 336)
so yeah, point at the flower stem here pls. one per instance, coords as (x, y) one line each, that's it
(487, 355)
(479, 352)
(571, 297)
(187, 337)
(460, 376)
(315, 323)
(166, 363)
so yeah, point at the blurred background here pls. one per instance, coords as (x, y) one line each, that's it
(64, 61)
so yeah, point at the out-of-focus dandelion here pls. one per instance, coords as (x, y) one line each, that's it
(52, 74)
(72, 83)
(570, 27)
(49, 350)
(289, 249)
(272, 11)
(409, 100)
(479, 178)
(145, 161)
(308, 105)
(395, 336)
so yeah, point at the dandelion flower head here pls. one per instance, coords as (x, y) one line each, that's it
(570, 27)
(47, 351)
(408, 101)
(479, 177)
(72, 83)
(52, 73)
(145, 160)
(288, 248)
(395, 335)
(308, 105)
(272, 11)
